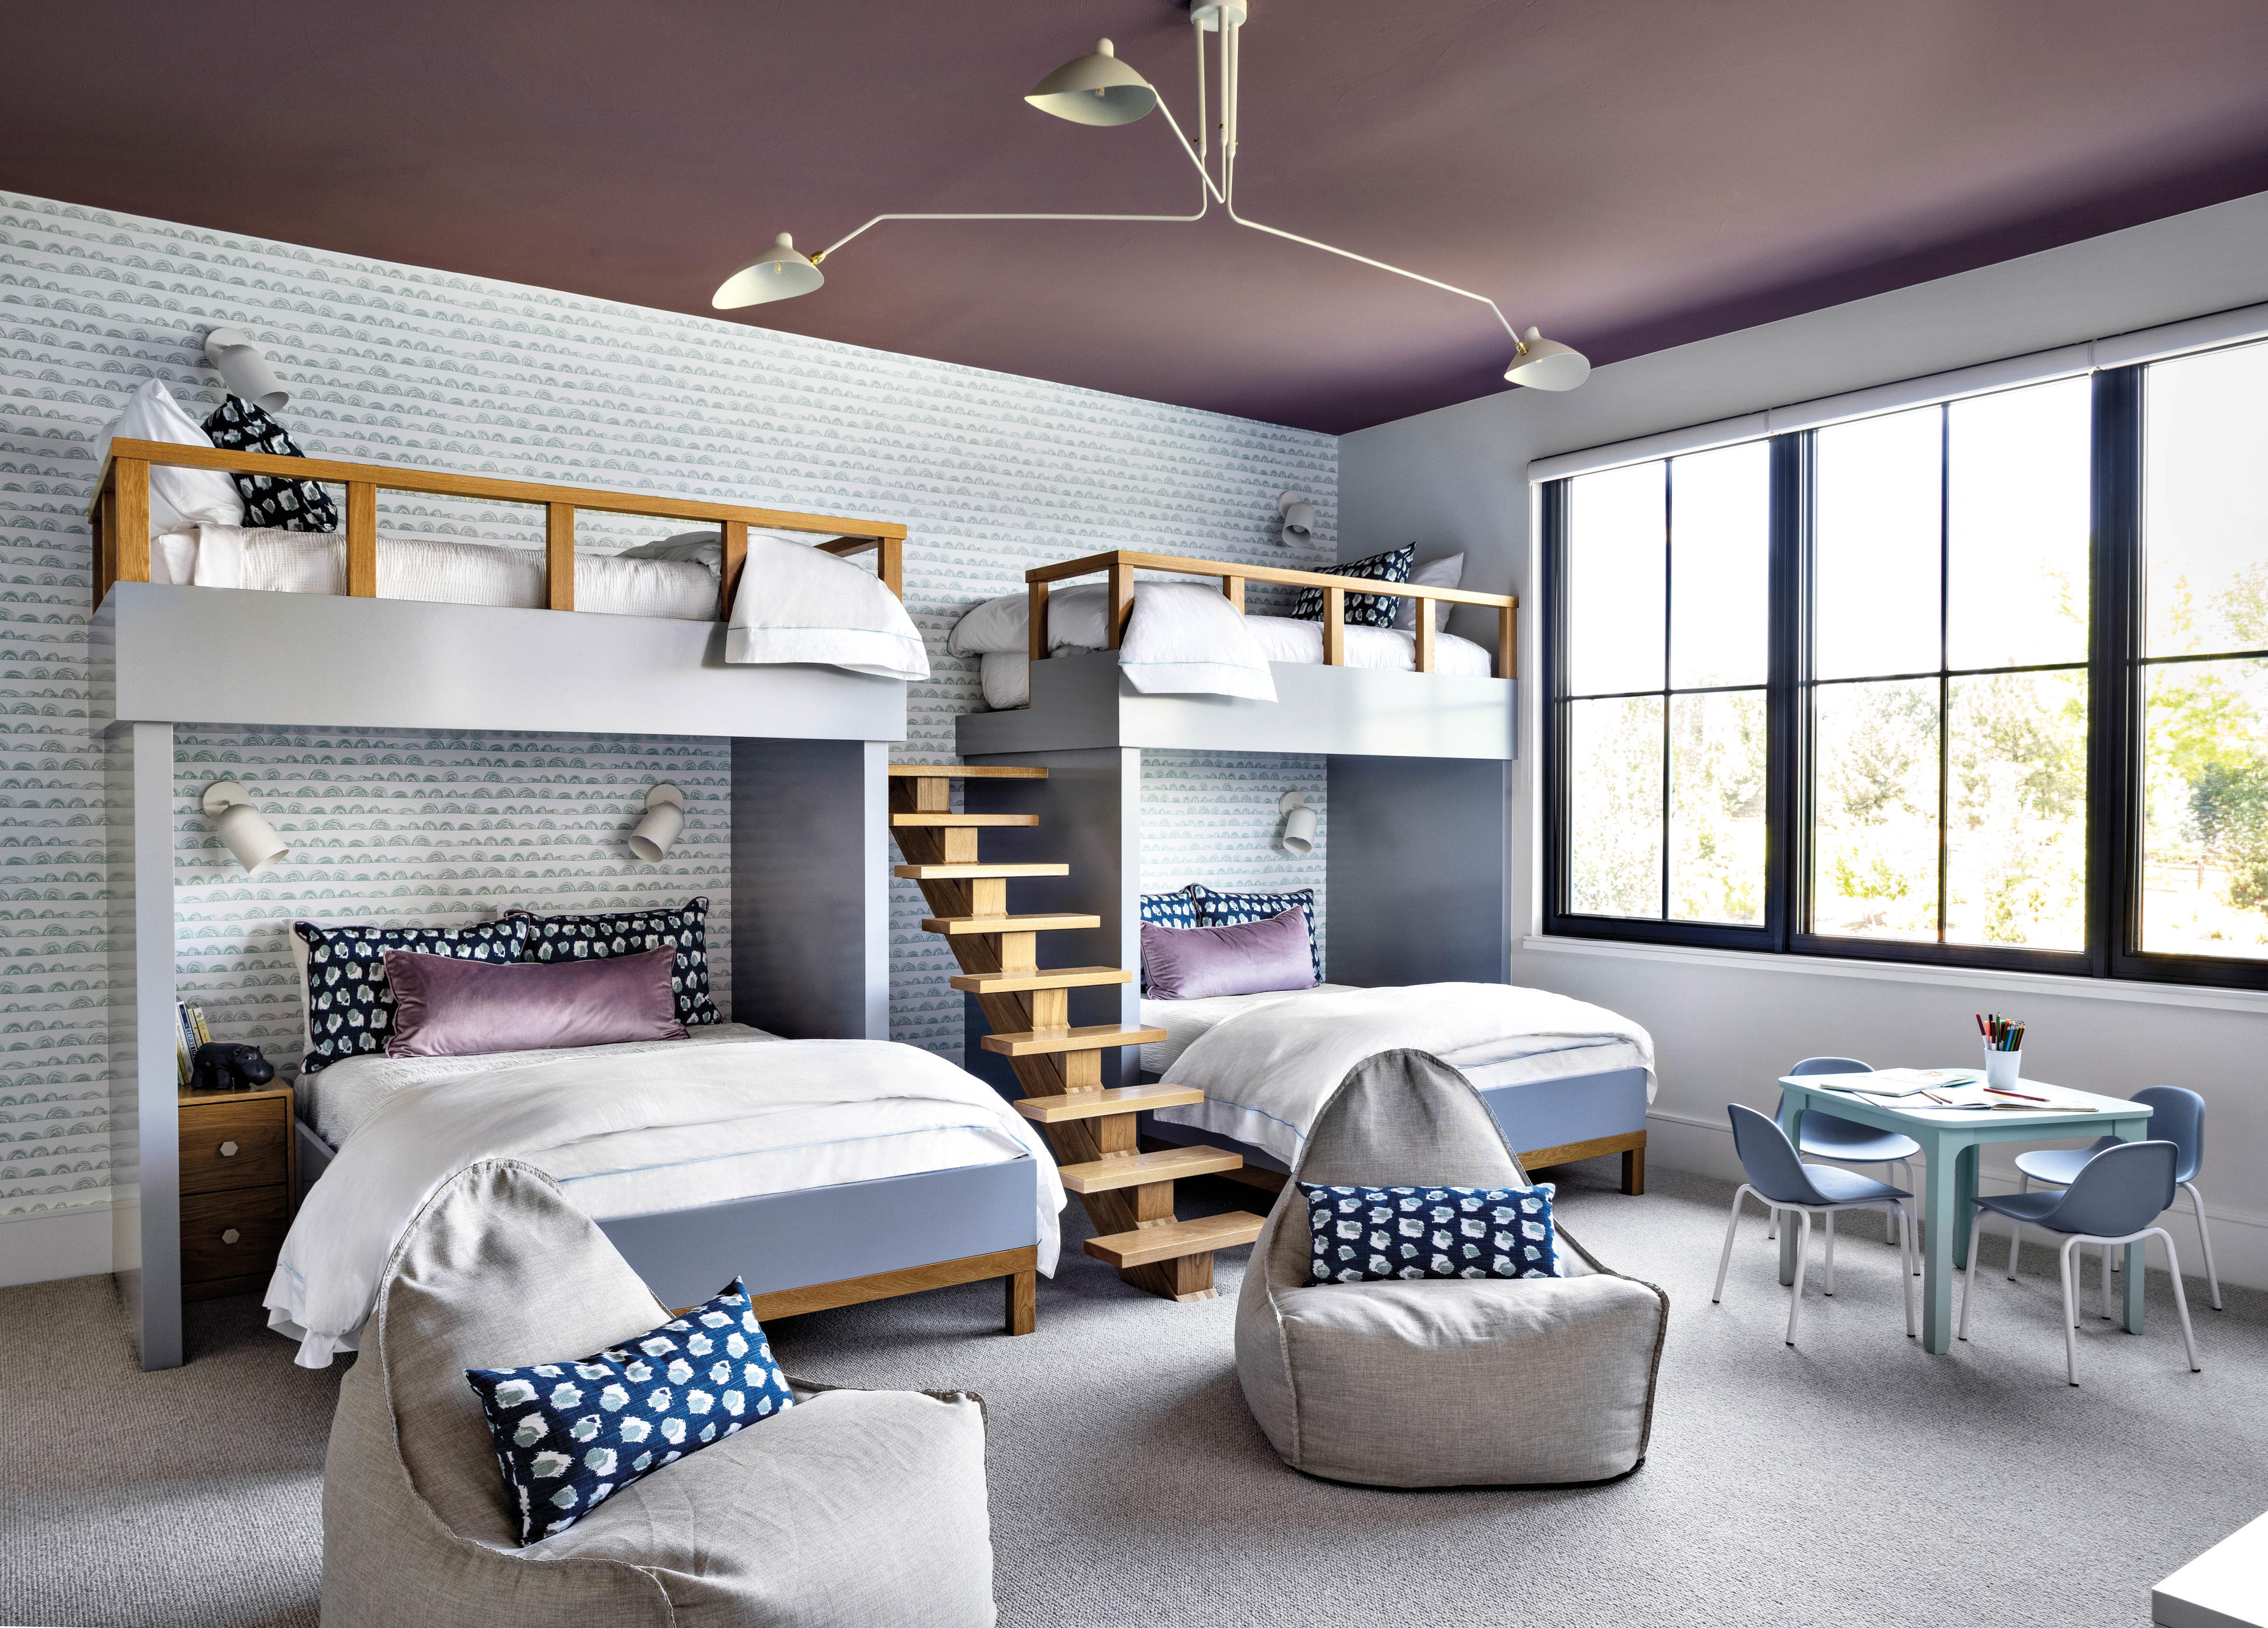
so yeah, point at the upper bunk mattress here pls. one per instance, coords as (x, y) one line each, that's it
(435, 570)
(1007, 676)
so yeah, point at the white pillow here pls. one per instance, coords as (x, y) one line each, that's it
(798, 603)
(1448, 573)
(179, 498)
(1002, 627)
(698, 547)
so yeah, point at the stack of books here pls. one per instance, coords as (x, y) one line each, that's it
(189, 1033)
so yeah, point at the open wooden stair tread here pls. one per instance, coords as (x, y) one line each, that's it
(1045, 978)
(973, 873)
(957, 819)
(1169, 1241)
(1007, 923)
(1101, 1175)
(965, 772)
(1081, 1037)
(1095, 1104)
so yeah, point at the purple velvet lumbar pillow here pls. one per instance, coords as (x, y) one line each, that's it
(444, 1008)
(1188, 963)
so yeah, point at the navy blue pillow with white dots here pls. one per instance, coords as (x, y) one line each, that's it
(570, 1435)
(1366, 1234)
(350, 1004)
(1364, 610)
(1176, 910)
(683, 928)
(1233, 909)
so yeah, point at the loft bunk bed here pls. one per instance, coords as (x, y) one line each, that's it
(1417, 880)
(810, 778)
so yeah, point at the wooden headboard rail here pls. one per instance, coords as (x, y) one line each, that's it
(119, 514)
(1121, 564)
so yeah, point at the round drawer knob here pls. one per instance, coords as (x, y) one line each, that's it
(230, 1236)
(228, 1150)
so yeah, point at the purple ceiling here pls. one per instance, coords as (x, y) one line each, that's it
(1627, 175)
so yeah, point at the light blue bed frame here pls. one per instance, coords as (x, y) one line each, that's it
(825, 1247)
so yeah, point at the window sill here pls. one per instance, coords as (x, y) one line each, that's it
(1907, 972)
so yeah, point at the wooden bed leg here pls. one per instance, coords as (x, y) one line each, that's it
(1023, 1301)
(1634, 1169)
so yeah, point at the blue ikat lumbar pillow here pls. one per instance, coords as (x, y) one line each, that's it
(1364, 1235)
(570, 1435)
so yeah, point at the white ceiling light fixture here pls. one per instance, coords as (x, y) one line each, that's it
(1100, 89)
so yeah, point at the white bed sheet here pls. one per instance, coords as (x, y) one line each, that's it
(1006, 676)
(435, 570)
(628, 1131)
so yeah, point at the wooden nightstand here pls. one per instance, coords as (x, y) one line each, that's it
(239, 1182)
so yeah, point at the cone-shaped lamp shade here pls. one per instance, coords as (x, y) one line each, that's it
(1547, 364)
(664, 818)
(1094, 90)
(782, 273)
(244, 830)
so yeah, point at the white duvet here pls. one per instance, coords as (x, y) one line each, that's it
(435, 570)
(798, 1114)
(1266, 1071)
(1006, 676)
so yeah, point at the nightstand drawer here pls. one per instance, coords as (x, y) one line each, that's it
(230, 1145)
(234, 1234)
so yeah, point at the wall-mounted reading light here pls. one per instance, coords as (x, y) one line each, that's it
(1299, 824)
(665, 818)
(243, 367)
(242, 826)
(1299, 519)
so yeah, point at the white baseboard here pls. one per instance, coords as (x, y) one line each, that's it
(47, 1244)
(1682, 1141)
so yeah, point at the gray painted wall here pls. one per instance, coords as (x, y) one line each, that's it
(1726, 1026)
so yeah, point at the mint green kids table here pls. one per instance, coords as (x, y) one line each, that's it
(1949, 1139)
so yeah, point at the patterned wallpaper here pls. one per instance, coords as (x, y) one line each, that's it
(1212, 817)
(392, 363)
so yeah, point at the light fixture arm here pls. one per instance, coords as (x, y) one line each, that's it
(1205, 201)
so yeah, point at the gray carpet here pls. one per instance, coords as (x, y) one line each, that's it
(1851, 1481)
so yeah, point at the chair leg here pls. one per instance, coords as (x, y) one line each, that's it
(1771, 1222)
(1905, 1260)
(2070, 1314)
(1803, 1253)
(1890, 1221)
(1831, 1252)
(1968, 1277)
(1732, 1225)
(2107, 1253)
(2205, 1237)
(2181, 1299)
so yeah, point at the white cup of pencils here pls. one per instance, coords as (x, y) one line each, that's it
(2003, 1049)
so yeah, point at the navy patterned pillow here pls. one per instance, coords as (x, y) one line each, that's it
(1364, 610)
(1363, 1234)
(570, 1435)
(1230, 909)
(683, 928)
(242, 426)
(350, 1004)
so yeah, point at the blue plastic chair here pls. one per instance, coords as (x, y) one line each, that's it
(1779, 1176)
(2176, 1115)
(2111, 1201)
(1846, 1141)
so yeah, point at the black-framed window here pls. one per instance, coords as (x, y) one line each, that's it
(1979, 682)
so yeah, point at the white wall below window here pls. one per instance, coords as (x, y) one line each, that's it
(1726, 1027)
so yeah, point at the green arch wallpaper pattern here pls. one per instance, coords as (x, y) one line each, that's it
(394, 364)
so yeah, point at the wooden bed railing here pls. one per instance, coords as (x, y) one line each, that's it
(1121, 564)
(119, 514)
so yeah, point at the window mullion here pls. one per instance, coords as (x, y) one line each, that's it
(1787, 837)
(2115, 770)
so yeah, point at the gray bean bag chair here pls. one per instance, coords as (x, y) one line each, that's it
(1439, 1382)
(864, 1509)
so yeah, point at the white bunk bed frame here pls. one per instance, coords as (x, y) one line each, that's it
(810, 845)
(1417, 869)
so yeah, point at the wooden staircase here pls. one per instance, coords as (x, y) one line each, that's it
(1128, 1193)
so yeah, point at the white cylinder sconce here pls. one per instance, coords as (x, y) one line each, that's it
(243, 367)
(1299, 824)
(665, 818)
(242, 826)
(1299, 517)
